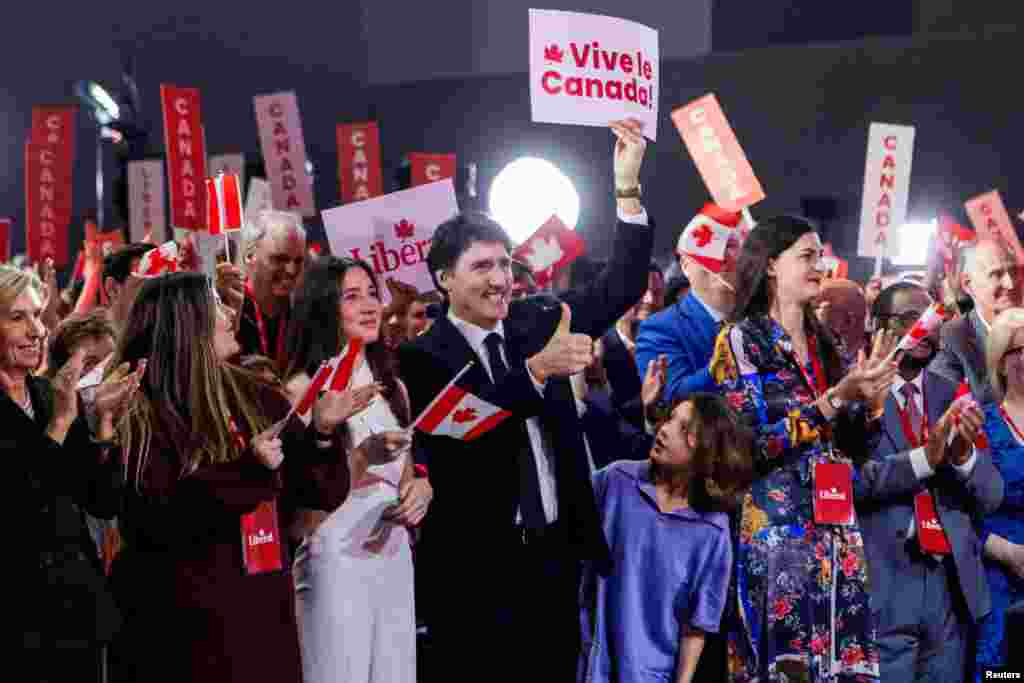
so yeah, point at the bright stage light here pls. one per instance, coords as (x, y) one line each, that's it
(913, 244)
(527, 192)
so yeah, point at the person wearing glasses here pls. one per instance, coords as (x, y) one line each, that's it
(1002, 530)
(989, 275)
(926, 595)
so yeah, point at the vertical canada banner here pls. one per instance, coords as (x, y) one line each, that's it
(49, 159)
(147, 218)
(284, 152)
(5, 239)
(429, 168)
(359, 166)
(989, 216)
(886, 190)
(186, 156)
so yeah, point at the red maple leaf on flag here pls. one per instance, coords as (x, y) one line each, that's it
(464, 415)
(404, 229)
(703, 236)
(553, 53)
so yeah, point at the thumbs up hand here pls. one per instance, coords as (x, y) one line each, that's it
(565, 353)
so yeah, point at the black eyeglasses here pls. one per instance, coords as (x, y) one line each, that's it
(1015, 351)
(905, 319)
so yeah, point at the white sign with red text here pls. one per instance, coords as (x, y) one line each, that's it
(886, 189)
(392, 233)
(147, 216)
(588, 69)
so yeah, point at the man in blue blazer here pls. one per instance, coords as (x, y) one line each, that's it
(685, 333)
(925, 602)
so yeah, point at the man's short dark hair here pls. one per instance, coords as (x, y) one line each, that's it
(119, 263)
(453, 237)
(883, 302)
(674, 288)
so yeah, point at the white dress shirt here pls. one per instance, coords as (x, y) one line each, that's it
(540, 443)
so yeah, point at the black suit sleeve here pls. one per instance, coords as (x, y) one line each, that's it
(621, 284)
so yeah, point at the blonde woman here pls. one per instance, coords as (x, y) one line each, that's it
(1002, 532)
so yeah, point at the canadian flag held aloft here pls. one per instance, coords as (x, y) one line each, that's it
(588, 69)
(551, 248)
(393, 232)
(706, 237)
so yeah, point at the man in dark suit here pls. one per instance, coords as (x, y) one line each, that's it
(514, 511)
(990, 275)
(619, 348)
(925, 601)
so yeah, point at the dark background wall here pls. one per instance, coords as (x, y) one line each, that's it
(801, 112)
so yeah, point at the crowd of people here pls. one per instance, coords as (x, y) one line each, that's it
(735, 473)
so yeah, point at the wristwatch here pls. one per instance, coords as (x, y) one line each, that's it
(630, 192)
(833, 400)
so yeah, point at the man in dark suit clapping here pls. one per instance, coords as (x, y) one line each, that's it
(514, 510)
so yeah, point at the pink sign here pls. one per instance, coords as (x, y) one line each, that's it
(284, 152)
(717, 153)
(989, 216)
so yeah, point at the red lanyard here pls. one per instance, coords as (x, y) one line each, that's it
(261, 327)
(817, 383)
(908, 429)
(1013, 425)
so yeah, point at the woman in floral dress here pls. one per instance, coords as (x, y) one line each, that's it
(801, 609)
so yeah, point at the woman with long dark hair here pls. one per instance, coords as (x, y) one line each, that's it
(353, 570)
(204, 577)
(800, 573)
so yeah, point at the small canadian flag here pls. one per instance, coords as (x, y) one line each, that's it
(159, 261)
(223, 204)
(459, 414)
(707, 236)
(929, 321)
(346, 364)
(335, 374)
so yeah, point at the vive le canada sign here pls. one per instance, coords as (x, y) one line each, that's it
(589, 69)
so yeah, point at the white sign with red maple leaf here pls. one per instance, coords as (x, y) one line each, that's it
(552, 247)
(588, 69)
(392, 233)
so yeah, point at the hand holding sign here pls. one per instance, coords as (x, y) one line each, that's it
(629, 152)
(565, 354)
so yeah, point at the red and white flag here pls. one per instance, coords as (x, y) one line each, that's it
(159, 261)
(925, 325)
(550, 249)
(303, 407)
(706, 237)
(223, 204)
(346, 364)
(459, 414)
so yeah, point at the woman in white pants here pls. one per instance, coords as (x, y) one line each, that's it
(353, 569)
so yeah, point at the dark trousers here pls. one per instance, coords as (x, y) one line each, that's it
(74, 664)
(513, 610)
(925, 636)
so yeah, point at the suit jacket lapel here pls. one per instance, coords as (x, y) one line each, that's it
(452, 349)
(975, 343)
(893, 426)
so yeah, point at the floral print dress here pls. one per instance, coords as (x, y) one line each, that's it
(801, 610)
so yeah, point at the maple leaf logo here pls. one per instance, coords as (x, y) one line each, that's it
(464, 415)
(404, 229)
(703, 236)
(553, 53)
(544, 253)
